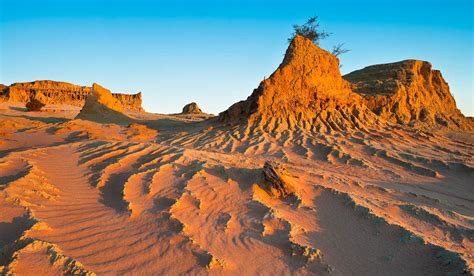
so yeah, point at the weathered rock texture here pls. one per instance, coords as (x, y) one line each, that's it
(54, 92)
(101, 106)
(408, 92)
(192, 108)
(276, 176)
(130, 101)
(306, 91)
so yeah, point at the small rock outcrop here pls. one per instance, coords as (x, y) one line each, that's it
(192, 108)
(306, 91)
(101, 106)
(55, 92)
(408, 92)
(276, 176)
(34, 105)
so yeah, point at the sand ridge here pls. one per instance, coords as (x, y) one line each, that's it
(120, 206)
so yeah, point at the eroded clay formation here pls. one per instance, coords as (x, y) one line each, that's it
(408, 92)
(306, 91)
(102, 106)
(55, 92)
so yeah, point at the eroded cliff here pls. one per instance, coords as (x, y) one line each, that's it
(408, 92)
(55, 92)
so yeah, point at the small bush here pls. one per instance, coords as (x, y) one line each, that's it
(34, 105)
(310, 30)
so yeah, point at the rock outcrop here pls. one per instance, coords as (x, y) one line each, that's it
(306, 91)
(55, 92)
(276, 176)
(101, 106)
(192, 108)
(408, 92)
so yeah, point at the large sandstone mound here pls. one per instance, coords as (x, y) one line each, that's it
(408, 92)
(192, 108)
(56, 92)
(101, 106)
(306, 91)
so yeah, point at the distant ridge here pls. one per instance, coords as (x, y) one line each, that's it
(56, 92)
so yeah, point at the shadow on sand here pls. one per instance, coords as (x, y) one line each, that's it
(47, 120)
(23, 109)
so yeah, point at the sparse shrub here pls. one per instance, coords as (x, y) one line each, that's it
(34, 105)
(311, 31)
(338, 49)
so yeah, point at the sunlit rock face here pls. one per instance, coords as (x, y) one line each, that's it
(56, 92)
(408, 92)
(306, 91)
(101, 106)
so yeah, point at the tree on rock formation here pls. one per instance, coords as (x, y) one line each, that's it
(310, 30)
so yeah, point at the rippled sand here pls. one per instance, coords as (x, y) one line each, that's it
(171, 194)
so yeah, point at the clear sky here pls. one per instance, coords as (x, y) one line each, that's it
(217, 52)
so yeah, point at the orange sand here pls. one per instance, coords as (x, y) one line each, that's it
(172, 195)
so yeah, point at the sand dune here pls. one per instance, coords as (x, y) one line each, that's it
(370, 203)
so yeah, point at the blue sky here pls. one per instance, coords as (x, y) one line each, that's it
(217, 52)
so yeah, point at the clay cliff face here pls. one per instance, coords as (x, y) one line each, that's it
(408, 92)
(129, 101)
(54, 92)
(306, 91)
(49, 92)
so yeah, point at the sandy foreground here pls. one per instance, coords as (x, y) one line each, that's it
(171, 194)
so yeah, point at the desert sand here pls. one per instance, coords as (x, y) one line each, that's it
(101, 189)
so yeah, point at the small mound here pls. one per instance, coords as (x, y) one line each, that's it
(408, 92)
(140, 133)
(192, 108)
(306, 91)
(11, 124)
(101, 106)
